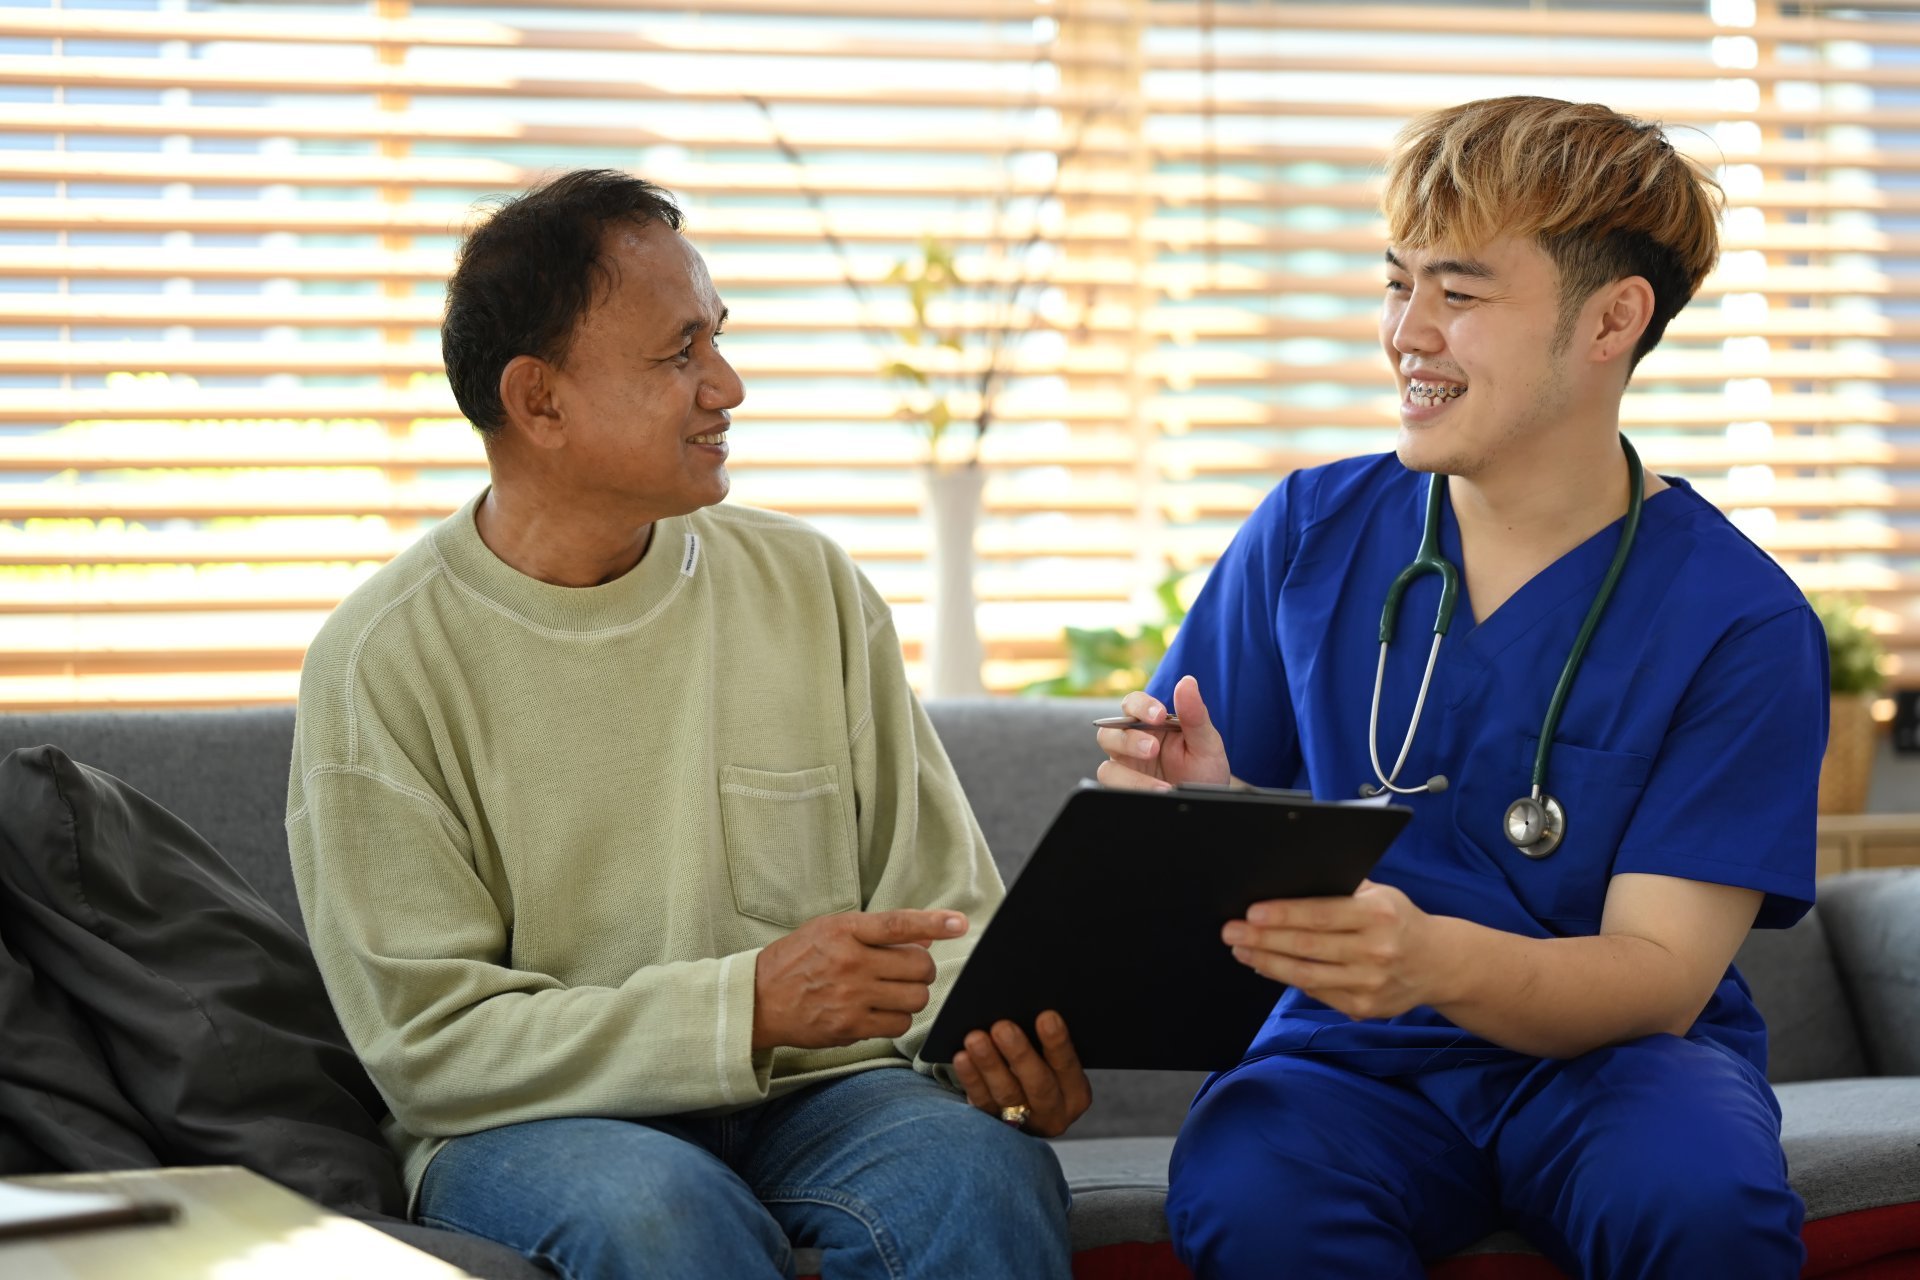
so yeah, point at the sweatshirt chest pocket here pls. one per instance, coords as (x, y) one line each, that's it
(790, 850)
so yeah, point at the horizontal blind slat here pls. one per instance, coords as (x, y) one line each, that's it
(1197, 320)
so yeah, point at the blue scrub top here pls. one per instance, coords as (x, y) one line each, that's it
(1690, 744)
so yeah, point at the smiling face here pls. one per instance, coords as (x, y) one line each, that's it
(643, 391)
(1476, 342)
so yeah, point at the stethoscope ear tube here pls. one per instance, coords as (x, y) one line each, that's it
(1406, 744)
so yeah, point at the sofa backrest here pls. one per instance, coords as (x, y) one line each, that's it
(225, 773)
(1018, 760)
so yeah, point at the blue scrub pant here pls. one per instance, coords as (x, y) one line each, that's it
(1659, 1157)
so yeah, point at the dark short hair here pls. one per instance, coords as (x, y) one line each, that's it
(526, 275)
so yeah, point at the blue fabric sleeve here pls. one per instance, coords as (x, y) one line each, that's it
(1731, 796)
(1229, 642)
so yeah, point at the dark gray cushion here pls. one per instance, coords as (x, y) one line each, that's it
(1119, 1189)
(206, 1006)
(1811, 1032)
(1500, 1242)
(1874, 919)
(1128, 1104)
(479, 1258)
(1852, 1144)
(223, 773)
(1120, 1194)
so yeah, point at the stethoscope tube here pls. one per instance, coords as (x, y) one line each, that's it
(1406, 744)
(1629, 529)
(1536, 823)
(1427, 559)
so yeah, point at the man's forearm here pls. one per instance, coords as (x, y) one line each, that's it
(1560, 997)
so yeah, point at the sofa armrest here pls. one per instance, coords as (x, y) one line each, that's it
(1812, 1033)
(1872, 920)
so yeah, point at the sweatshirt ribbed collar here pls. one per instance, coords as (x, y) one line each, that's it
(626, 601)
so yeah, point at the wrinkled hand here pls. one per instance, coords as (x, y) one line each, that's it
(1003, 1070)
(840, 979)
(1156, 759)
(1365, 955)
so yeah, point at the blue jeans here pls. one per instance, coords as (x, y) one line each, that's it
(887, 1172)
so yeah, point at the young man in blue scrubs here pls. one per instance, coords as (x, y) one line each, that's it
(1482, 1038)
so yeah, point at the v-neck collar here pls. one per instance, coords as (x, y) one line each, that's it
(1577, 573)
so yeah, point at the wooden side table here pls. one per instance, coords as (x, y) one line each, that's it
(1851, 841)
(233, 1225)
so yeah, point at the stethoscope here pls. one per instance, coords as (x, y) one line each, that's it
(1535, 823)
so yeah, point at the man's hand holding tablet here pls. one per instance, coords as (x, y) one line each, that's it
(1002, 1073)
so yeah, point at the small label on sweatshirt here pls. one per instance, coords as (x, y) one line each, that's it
(692, 558)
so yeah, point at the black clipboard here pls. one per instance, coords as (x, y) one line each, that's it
(1115, 921)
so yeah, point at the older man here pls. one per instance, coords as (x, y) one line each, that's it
(629, 858)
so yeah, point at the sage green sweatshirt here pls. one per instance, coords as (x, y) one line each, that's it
(541, 833)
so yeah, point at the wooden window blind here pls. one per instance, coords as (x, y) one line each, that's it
(1786, 392)
(224, 228)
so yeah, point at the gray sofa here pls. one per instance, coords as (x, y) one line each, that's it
(1841, 991)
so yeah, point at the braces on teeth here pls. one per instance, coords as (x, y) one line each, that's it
(1433, 393)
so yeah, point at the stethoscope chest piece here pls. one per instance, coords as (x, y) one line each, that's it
(1536, 825)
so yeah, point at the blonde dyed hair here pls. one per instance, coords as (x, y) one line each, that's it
(1604, 195)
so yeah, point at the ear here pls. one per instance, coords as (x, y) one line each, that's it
(1624, 310)
(528, 394)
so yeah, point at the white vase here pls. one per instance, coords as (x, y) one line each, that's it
(954, 652)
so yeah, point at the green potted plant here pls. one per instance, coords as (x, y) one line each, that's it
(1109, 662)
(1855, 678)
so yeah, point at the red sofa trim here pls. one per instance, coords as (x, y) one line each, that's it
(1129, 1262)
(1870, 1244)
(1852, 1246)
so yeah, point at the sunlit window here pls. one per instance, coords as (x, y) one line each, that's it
(1143, 235)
